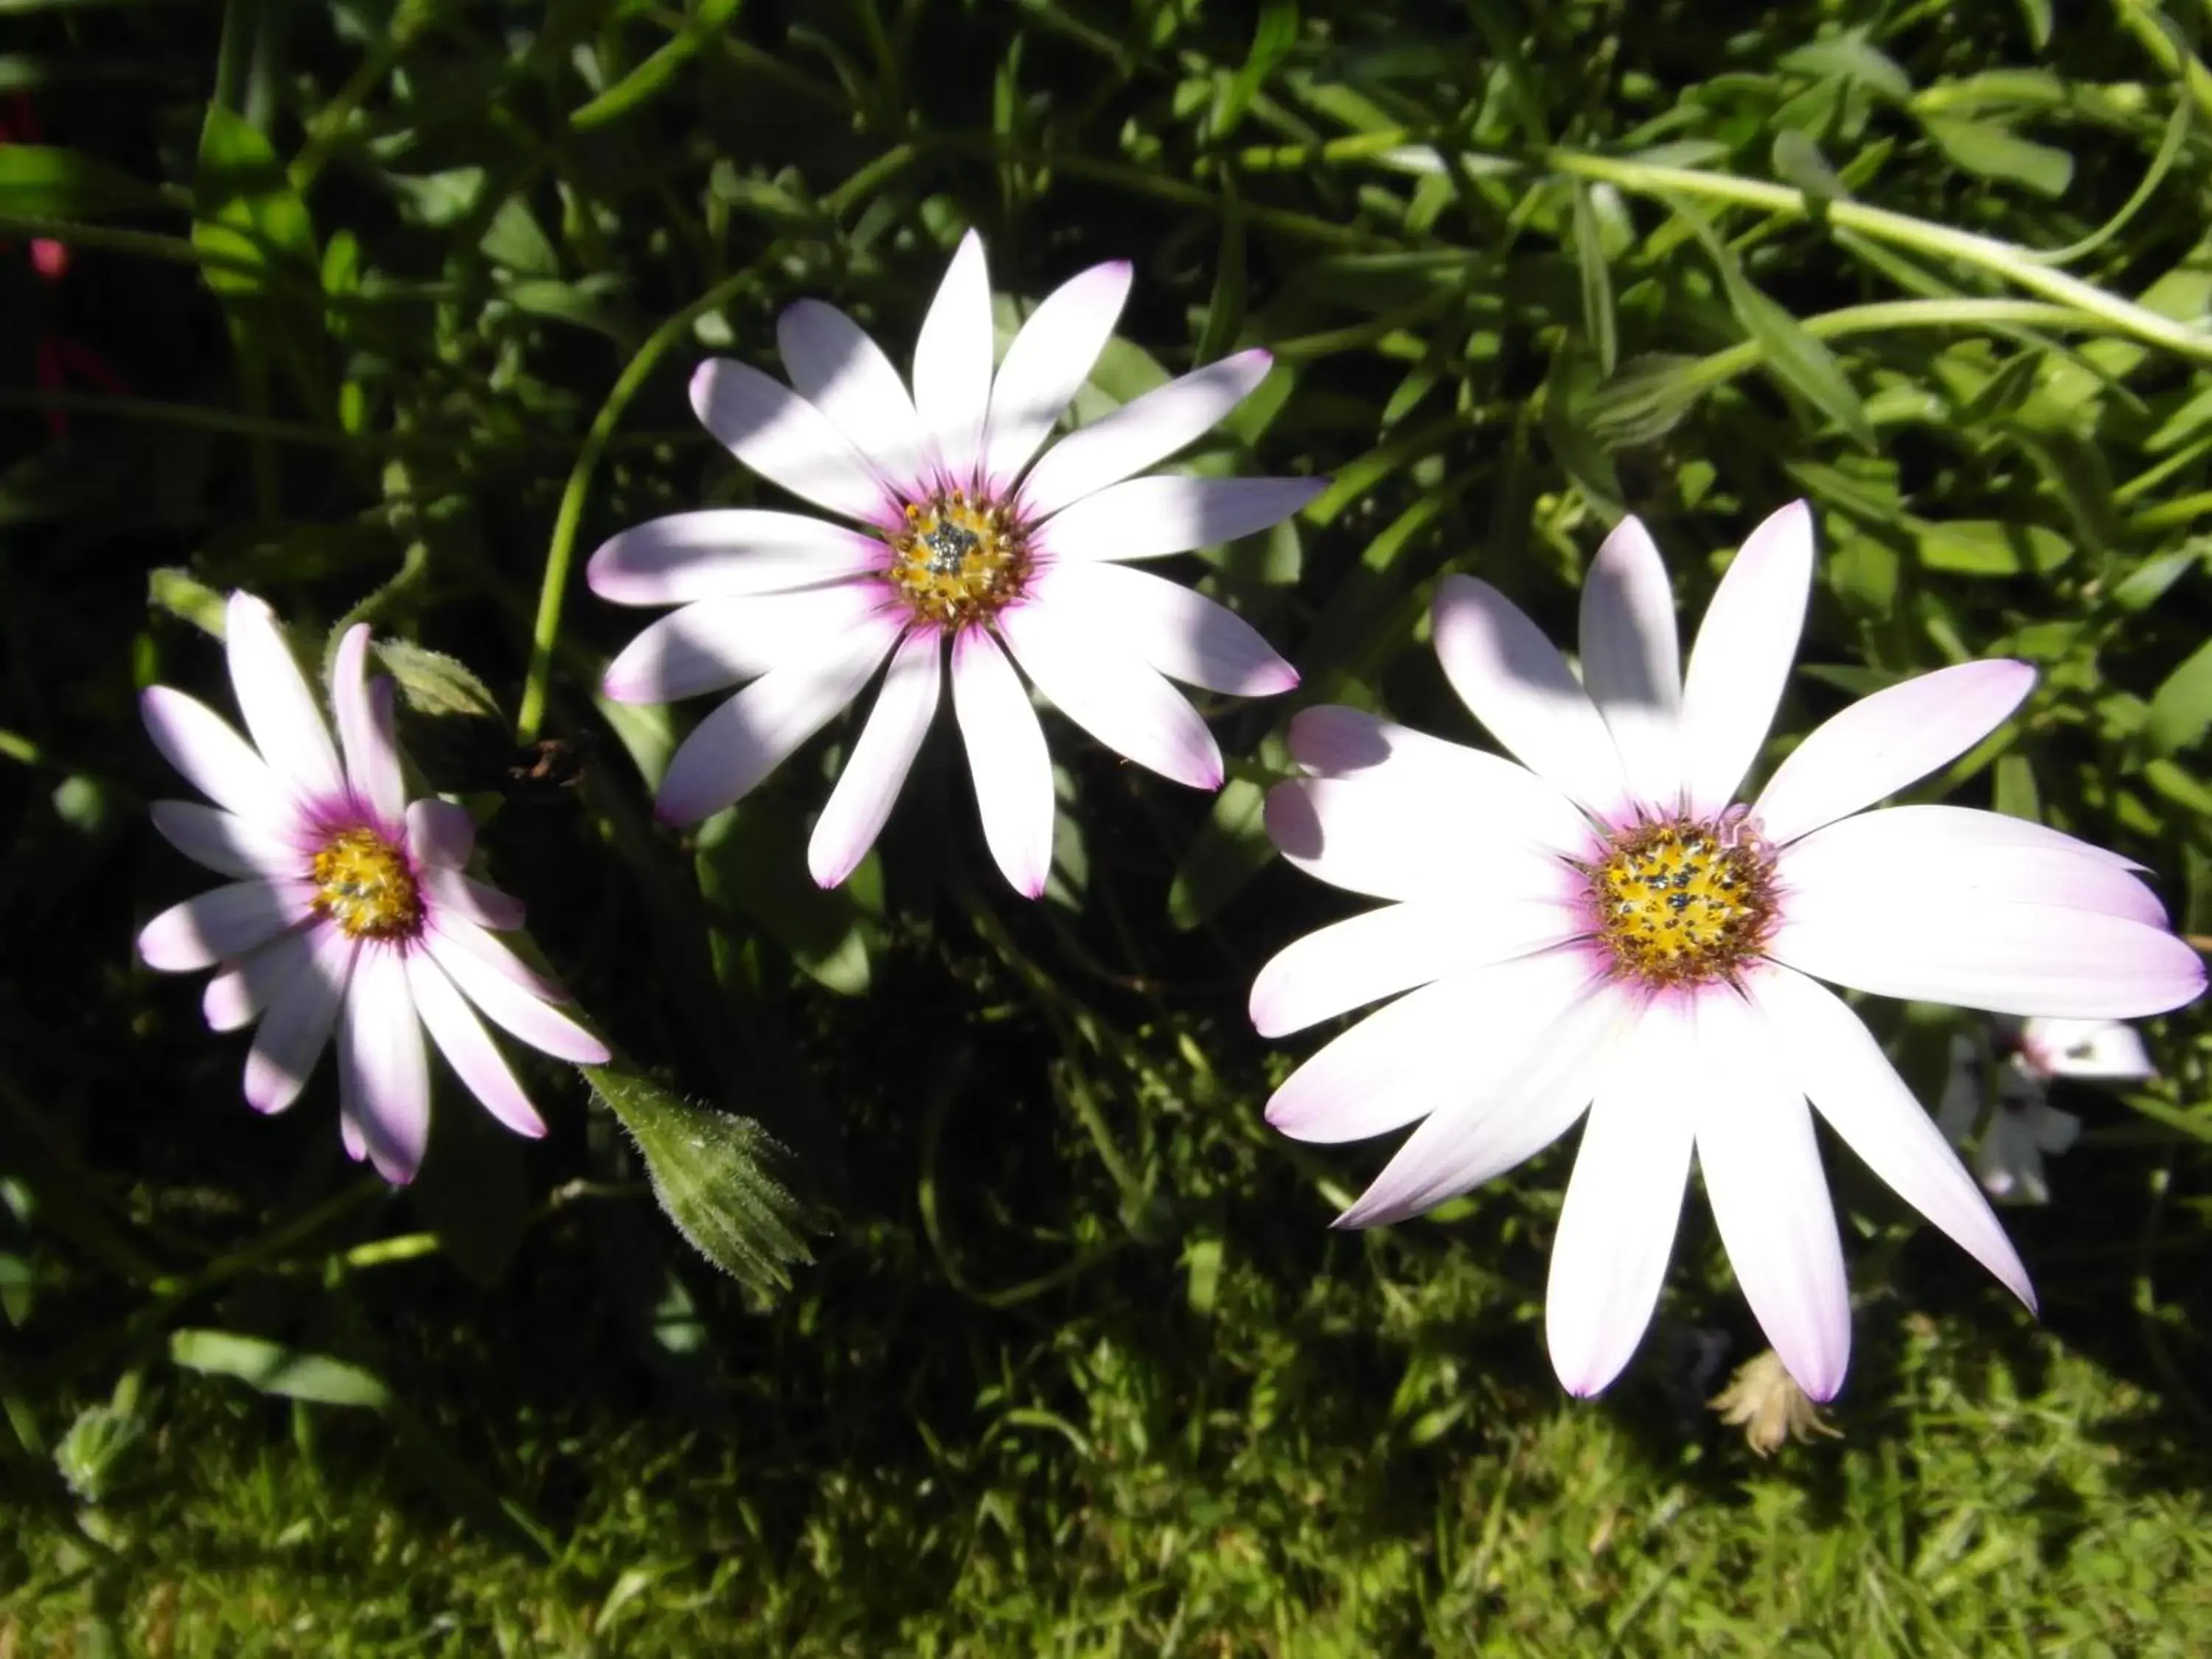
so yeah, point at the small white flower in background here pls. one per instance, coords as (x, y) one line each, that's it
(1765, 1402)
(1610, 926)
(956, 542)
(351, 909)
(2023, 1128)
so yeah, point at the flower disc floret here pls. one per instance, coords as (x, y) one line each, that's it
(366, 886)
(960, 560)
(1682, 902)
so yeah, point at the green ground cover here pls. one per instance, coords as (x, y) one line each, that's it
(401, 298)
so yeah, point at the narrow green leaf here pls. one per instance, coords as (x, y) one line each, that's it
(2181, 708)
(1598, 319)
(274, 1369)
(1989, 547)
(716, 1175)
(40, 183)
(1992, 151)
(2036, 15)
(1800, 362)
(186, 598)
(1230, 848)
(1798, 159)
(748, 863)
(641, 83)
(1278, 32)
(1852, 58)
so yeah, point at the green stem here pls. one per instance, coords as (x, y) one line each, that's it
(2000, 259)
(327, 127)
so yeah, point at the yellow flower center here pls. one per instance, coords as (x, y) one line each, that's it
(960, 559)
(1683, 903)
(364, 884)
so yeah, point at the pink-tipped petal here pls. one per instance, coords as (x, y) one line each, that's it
(1769, 1195)
(1047, 365)
(218, 762)
(1745, 649)
(724, 553)
(384, 1072)
(2099, 1050)
(1884, 742)
(1518, 686)
(2006, 958)
(223, 841)
(1007, 758)
(877, 771)
(1150, 518)
(1632, 661)
(1837, 1063)
(1516, 1097)
(1183, 634)
(231, 1000)
(784, 439)
(835, 367)
(1143, 430)
(713, 643)
(749, 736)
(1364, 959)
(513, 1009)
(302, 1006)
(1368, 836)
(464, 895)
(1624, 1198)
(222, 922)
(1112, 695)
(1885, 857)
(451, 930)
(1433, 777)
(953, 357)
(440, 833)
(365, 729)
(467, 1047)
(280, 711)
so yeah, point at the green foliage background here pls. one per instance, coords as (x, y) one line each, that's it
(405, 295)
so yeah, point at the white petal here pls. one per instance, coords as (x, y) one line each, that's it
(844, 374)
(1741, 661)
(1183, 634)
(223, 922)
(218, 762)
(244, 848)
(952, 363)
(1887, 858)
(1516, 1108)
(1047, 365)
(1150, 518)
(384, 1074)
(1623, 1199)
(784, 439)
(1632, 661)
(2005, 958)
(1446, 1048)
(513, 1009)
(1518, 686)
(1112, 695)
(713, 643)
(440, 833)
(1884, 742)
(365, 727)
(1367, 957)
(468, 1048)
(877, 771)
(1770, 1198)
(280, 710)
(454, 931)
(302, 987)
(1835, 1060)
(745, 739)
(2099, 1049)
(1143, 430)
(450, 890)
(1007, 758)
(728, 552)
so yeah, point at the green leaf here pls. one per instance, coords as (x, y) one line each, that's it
(1800, 362)
(1851, 57)
(275, 1369)
(716, 1177)
(186, 598)
(1228, 850)
(642, 82)
(1598, 320)
(1992, 151)
(515, 242)
(1278, 32)
(436, 683)
(1798, 160)
(40, 183)
(247, 212)
(1989, 547)
(2181, 708)
(748, 860)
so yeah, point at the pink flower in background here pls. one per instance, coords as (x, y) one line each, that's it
(2022, 1126)
(953, 541)
(349, 909)
(1608, 927)
(55, 361)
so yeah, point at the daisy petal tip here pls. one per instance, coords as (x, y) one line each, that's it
(1292, 823)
